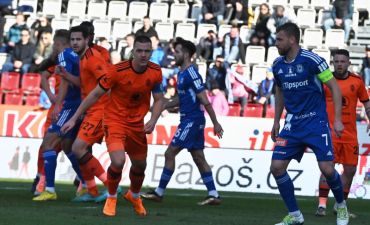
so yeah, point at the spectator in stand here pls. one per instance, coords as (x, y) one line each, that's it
(278, 18)
(126, 50)
(40, 26)
(341, 17)
(206, 46)
(218, 100)
(265, 94)
(233, 48)
(170, 95)
(212, 12)
(5, 9)
(261, 32)
(236, 10)
(168, 64)
(147, 29)
(14, 33)
(366, 67)
(22, 55)
(115, 57)
(239, 86)
(105, 43)
(157, 52)
(44, 49)
(217, 73)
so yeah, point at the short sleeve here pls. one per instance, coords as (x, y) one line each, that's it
(195, 80)
(107, 81)
(158, 87)
(319, 67)
(362, 93)
(98, 67)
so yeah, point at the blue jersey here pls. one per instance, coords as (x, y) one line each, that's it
(71, 62)
(301, 85)
(189, 84)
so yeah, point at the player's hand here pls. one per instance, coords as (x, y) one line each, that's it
(338, 128)
(61, 71)
(68, 126)
(217, 130)
(149, 127)
(275, 131)
(56, 111)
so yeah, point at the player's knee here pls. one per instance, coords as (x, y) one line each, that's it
(169, 155)
(276, 170)
(349, 171)
(118, 162)
(79, 148)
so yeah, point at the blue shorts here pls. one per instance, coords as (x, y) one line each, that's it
(64, 115)
(292, 144)
(190, 134)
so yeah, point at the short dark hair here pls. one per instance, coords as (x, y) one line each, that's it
(186, 45)
(291, 29)
(341, 52)
(142, 39)
(62, 35)
(82, 29)
(89, 26)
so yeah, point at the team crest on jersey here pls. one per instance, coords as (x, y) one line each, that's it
(281, 142)
(352, 87)
(299, 68)
(291, 72)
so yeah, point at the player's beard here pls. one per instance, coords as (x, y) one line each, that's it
(179, 61)
(283, 51)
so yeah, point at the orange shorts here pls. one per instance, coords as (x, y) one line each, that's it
(346, 153)
(133, 141)
(91, 129)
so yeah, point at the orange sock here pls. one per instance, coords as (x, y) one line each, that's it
(114, 177)
(136, 177)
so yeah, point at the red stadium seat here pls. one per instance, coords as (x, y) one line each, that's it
(10, 81)
(13, 98)
(234, 109)
(32, 100)
(31, 83)
(253, 110)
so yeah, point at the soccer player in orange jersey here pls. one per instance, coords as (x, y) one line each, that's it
(346, 148)
(92, 69)
(130, 84)
(103, 52)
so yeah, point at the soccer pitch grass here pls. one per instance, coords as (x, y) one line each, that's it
(178, 207)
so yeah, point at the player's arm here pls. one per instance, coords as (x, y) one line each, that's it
(156, 112)
(367, 111)
(85, 104)
(64, 74)
(45, 75)
(171, 103)
(337, 99)
(63, 88)
(279, 108)
(217, 129)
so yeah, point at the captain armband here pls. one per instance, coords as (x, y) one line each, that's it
(325, 76)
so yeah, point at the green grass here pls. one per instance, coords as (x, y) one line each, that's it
(178, 208)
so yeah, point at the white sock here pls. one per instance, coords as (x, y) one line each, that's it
(159, 191)
(295, 213)
(50, 189)
(213, 193)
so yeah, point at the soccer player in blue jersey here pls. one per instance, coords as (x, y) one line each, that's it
(299, 75)
(67, 102)
(190, 132)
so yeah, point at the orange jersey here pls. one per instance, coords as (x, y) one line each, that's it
(92, 68)
(130, 93)
(103, 52)
(353, 89)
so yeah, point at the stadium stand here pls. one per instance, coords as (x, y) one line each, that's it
(31, 83)
(137, 10)
(334, 38)
(179, 12)
(121, 28)
(272, 54)
(306, 17)
(325, 53)
(10, 81)
(223, 29)
(76, 8)
(13, 98)
(259, 72)
(164, 30)
(320, 4)
(32, 100)
(158, 11)
(203, 29)
(185, 30)
(32, 3)
(52, 8)
(313, 38)
(97, 9)
(102, 28)
(255, 54)
(299, 3)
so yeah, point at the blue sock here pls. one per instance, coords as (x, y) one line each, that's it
(207, 178)
(286, 190)
(75, 165)
(50, 159)
(336, 187)
(165, 178)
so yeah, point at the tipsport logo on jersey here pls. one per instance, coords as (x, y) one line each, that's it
(295, 85)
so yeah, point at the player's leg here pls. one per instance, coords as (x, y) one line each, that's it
(50, 140)
(137, 148)
(114, 175)
(205, 171)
